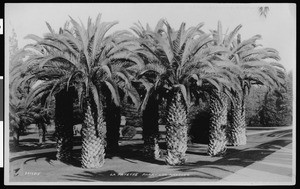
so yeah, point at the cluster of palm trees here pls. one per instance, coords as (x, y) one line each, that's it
(145, 67)
(22, 113)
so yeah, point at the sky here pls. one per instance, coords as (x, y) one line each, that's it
(278, 29)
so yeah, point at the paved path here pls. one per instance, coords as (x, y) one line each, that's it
(276, 167)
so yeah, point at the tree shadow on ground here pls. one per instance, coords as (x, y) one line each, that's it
(233, 160)
(134, 152)
(236, 159)
(29, 144)
(50, 157)
(279, 133)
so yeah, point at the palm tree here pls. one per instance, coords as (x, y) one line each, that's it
(255, 69)
(174, 59)
(263, 11)
(20, 115)
(218, 138)
(64, 123)
(82, 58)
(150, 105)
(112, 118)
(259, 67)
(218, 86)
(123, 74)
(42, 120)
(18, 118)
(224, 79)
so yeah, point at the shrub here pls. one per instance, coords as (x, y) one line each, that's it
(128, 132)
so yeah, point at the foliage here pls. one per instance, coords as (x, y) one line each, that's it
(84, 58)
(253, 103)
(276, 108)
(185, 68)
(13, 44)
(186, 59)
(23, 114)
(270, 108)
(88, 60)
(263, 11)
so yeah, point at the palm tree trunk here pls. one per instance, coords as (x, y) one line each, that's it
(64, 125)
(150, 128)
(113, 122)
(218, 124)
(93, 141)
(237, 125)
(176, 129)
(42, 133)
(16, 136)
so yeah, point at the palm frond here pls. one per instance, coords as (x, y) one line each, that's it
(50, 28)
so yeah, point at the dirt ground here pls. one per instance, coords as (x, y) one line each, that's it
(32, 162)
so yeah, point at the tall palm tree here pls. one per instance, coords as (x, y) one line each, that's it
(20, 113)
(221, 85)
(218, 86)
(123, 74)
(175, 58)
(259, 67)
(18, 119)
(64, 123)
(112, 118)
(255, 67)
(82, 58)
(150, 105)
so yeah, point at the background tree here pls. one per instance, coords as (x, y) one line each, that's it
(276, 107)
(20, 113)
(123, 74)
(263, 11)
(46, 65)
(18, 119)
(151, 98)
(13, 45)
(253, 102)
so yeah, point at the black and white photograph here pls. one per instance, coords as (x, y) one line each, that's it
(150, 94)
